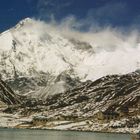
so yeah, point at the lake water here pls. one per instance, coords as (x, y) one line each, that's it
(16, 134)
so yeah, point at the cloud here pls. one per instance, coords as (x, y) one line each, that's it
(102, 38)
(105, 22)
(103, 13)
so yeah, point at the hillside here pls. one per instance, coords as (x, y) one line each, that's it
(109, 104)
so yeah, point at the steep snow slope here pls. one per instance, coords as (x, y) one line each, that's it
(29, 49)
(34, 50)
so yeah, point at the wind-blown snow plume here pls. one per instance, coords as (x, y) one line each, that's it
(53, 48)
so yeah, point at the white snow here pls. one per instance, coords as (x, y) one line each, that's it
(64, 127)
(39, 47)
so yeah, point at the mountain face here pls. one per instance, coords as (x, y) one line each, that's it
(110, 93)
(36, 59)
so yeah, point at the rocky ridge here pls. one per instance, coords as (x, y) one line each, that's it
(109, 94)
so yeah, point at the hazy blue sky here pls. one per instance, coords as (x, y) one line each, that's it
(115, 13)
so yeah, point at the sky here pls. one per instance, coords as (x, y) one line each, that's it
(87, 13)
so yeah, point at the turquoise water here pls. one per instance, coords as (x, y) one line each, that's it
(16, 134)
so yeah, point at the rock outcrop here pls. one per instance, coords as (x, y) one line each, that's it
(7, 95)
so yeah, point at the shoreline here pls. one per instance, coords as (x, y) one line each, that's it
(86, 131)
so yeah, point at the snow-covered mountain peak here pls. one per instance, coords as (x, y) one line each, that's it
(30, 48)
(33, 49)
(24, 22)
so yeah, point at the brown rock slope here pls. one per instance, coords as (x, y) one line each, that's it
(109, 93)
